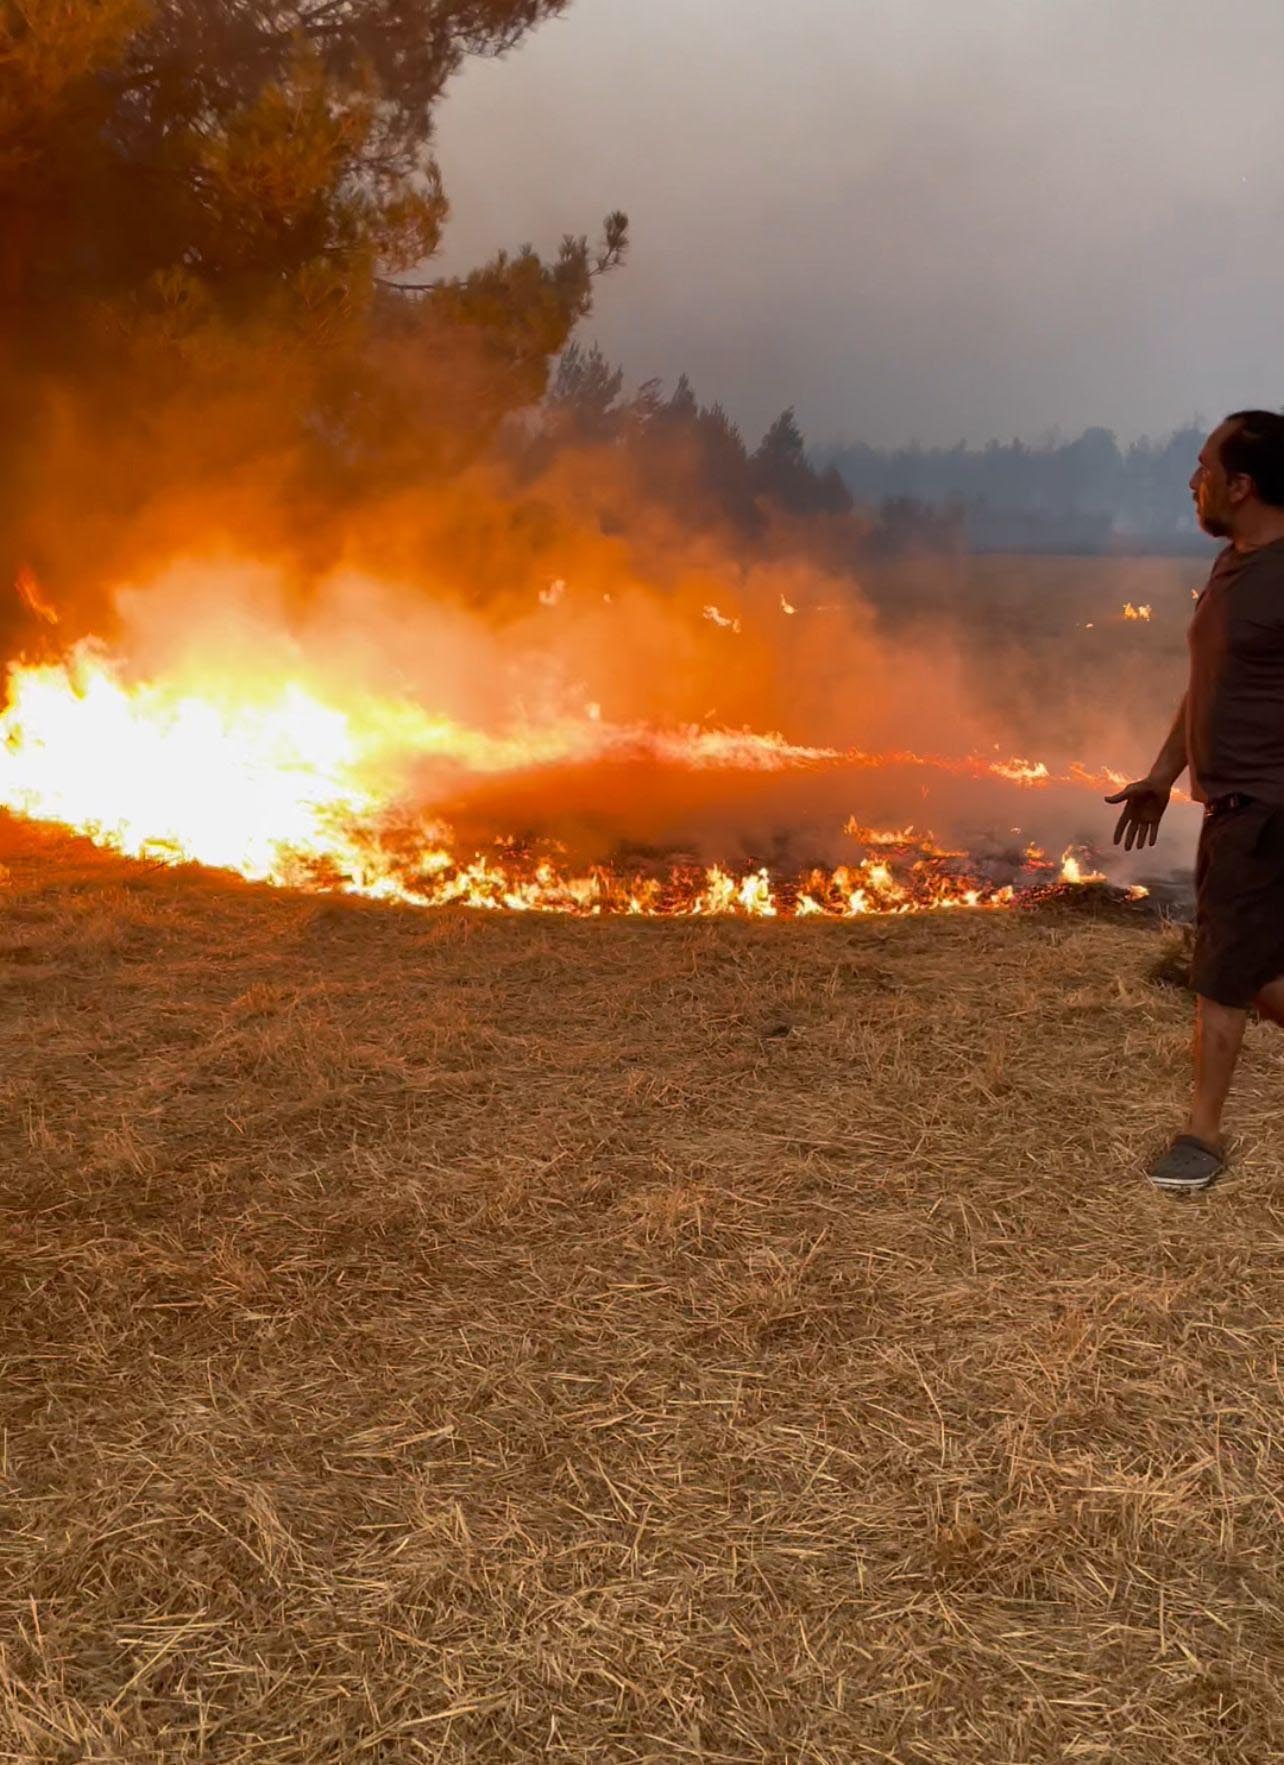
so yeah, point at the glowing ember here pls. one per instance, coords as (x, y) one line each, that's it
(287, 784)
(715, 617)
(28, 591)
(1131, 612)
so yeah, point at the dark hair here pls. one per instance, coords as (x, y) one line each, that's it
(1256, 449)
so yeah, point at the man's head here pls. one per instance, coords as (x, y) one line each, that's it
(1240, 475)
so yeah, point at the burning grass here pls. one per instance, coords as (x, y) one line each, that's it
(316, 790)
(493, 1338)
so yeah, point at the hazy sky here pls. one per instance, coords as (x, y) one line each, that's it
(939, 219)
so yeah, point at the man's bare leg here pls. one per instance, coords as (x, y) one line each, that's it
(1219, 1031)
(1270, 1001)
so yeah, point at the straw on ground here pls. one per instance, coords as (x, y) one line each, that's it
(490, 1339)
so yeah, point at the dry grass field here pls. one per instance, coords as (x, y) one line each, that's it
(498, 1339)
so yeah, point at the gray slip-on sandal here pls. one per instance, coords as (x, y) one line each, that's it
(1187, 1165)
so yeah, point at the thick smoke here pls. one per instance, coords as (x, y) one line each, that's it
(240, 454)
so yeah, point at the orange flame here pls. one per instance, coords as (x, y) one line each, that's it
(286, 784)
(1076, 867)
(29, 593)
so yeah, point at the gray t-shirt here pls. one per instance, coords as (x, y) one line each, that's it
(1235, 703)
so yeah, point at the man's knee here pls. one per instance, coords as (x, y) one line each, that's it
(1216, 1014)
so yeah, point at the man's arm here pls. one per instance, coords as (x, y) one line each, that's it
(1144, 801)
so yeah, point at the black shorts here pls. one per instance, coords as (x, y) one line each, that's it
(1239, 902)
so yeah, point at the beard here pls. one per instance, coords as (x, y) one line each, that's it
(1215, 526)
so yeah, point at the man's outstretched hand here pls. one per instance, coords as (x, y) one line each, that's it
(1143, 809)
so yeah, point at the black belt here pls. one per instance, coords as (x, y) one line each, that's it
(1229, 803)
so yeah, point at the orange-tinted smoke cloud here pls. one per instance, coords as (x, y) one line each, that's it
(518, 605)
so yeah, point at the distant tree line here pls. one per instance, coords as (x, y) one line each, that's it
(691, 461)
(1086, 494)
(856, 501)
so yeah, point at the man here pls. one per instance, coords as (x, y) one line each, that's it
(1229, 730)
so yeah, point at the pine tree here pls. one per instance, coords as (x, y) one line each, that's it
(242, 139)
(585, 387)
(783, 472)
(782, 449)
(223, 208)
(682, 407)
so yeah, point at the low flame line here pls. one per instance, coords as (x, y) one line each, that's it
(297, 791)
